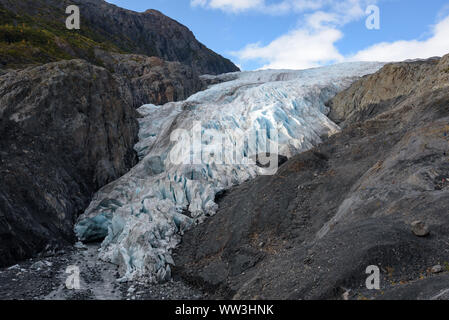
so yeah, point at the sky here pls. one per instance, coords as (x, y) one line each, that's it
(299, 34)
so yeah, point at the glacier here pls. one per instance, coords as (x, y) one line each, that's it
(191, 150)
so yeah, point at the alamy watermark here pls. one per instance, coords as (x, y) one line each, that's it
(73, 280)
(73, 21)
(373, 281)
(373, 20)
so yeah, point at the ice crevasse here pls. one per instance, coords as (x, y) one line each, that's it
(142, 215)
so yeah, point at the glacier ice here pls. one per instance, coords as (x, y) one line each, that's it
(143, 214)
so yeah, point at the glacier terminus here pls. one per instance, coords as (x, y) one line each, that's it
(142, 216)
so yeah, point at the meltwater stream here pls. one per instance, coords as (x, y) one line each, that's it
(191, 150)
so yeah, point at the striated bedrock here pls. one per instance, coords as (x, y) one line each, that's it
(66, 131)
(145, 80)
(311, 230)
(34, 31)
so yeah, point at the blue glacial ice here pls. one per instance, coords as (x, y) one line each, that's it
(144, 213)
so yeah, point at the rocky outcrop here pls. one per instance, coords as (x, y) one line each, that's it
(66, 131)
(102, 24)
(375, 94)
(145, 80)
(311, 230)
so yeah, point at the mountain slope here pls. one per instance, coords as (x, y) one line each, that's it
(33, 31)
(311, 230)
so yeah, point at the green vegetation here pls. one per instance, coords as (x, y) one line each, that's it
(26, 40)
(446, 266)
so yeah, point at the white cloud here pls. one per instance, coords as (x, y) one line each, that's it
(299, 49)
(314, 41)
(436, 45)
(281, 6)
(228, 5)
(305, 48)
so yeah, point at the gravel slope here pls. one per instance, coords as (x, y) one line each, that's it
(45, 279)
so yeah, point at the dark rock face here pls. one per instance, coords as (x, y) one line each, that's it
(146, 80)
(66, 131)
(311, 230)
(149, 33)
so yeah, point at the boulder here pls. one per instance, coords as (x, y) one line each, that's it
(420, 229)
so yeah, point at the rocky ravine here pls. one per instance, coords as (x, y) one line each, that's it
(311, 230)
(69, 128)
(66, 131)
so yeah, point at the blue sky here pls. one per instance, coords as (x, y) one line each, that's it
(296, 34)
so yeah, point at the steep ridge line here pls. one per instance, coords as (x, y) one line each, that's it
(33, 31)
